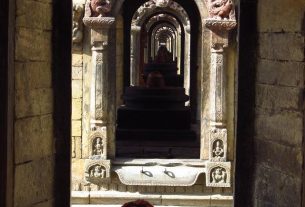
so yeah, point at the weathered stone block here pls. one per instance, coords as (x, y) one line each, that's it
(77, 89)
(77, 60)
(33, 138)
(285, 128)
(48, 203)
(76, 128)
(280, 73)
(76, 109)
(78, 147)
(279, 157)
(33, 14)
(33, 102)
(283, 15)
(277, 188)
(26, 50)
(33, 75)
(281, 46)
(34, 182)
(77, 73)
(277, 97)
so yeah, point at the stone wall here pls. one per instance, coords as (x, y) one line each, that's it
(278, 126)
(33, 127)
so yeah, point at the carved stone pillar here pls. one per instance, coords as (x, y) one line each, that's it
(134, 55)
(220, 22)
(97, 19)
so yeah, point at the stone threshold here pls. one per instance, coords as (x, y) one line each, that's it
(114, 199)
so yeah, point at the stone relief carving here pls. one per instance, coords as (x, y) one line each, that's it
(98, 145)
(161, 3)
(97, 14)
(152, 4)
(77, 31)
(222, 9)
(218, 174)
(95, 8)
(97, 172)
(218, 145)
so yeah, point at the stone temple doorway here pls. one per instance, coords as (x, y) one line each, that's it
(152, 84)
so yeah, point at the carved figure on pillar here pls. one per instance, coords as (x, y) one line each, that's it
(218, 175)
(77, 33)
(98, 147)
(95, 8)
(97, 171)
(222, 9)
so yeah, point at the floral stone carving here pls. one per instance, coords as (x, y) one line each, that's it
(218, 174)
(218, 145)
(98, 145)
(97, 172)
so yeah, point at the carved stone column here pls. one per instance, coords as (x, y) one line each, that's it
(97, 19)
(134, 55)
(220, 22)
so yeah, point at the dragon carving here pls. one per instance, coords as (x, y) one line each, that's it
(221, 9)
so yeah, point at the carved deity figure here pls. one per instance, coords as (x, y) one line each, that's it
(77, 35)
(96, 8)
(218, 151)
(163, 55)
(219, 175)
(221, 9)
(98, 147)
(97, 172)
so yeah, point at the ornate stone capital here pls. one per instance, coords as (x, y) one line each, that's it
(99, 22)
(220, 25)
(218, 174)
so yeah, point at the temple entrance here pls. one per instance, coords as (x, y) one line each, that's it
(156, 119)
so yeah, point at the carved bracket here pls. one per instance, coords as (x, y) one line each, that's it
(97, 171)
(218, 145)
(98, 144)
(218, 174)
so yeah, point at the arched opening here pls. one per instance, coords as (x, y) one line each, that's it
(160, 38)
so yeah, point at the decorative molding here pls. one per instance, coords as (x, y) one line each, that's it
(97, 171)
(218, 174)
(98, 144)
(162, 3)
(218, 25)
(99, 22)
(218, 145)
